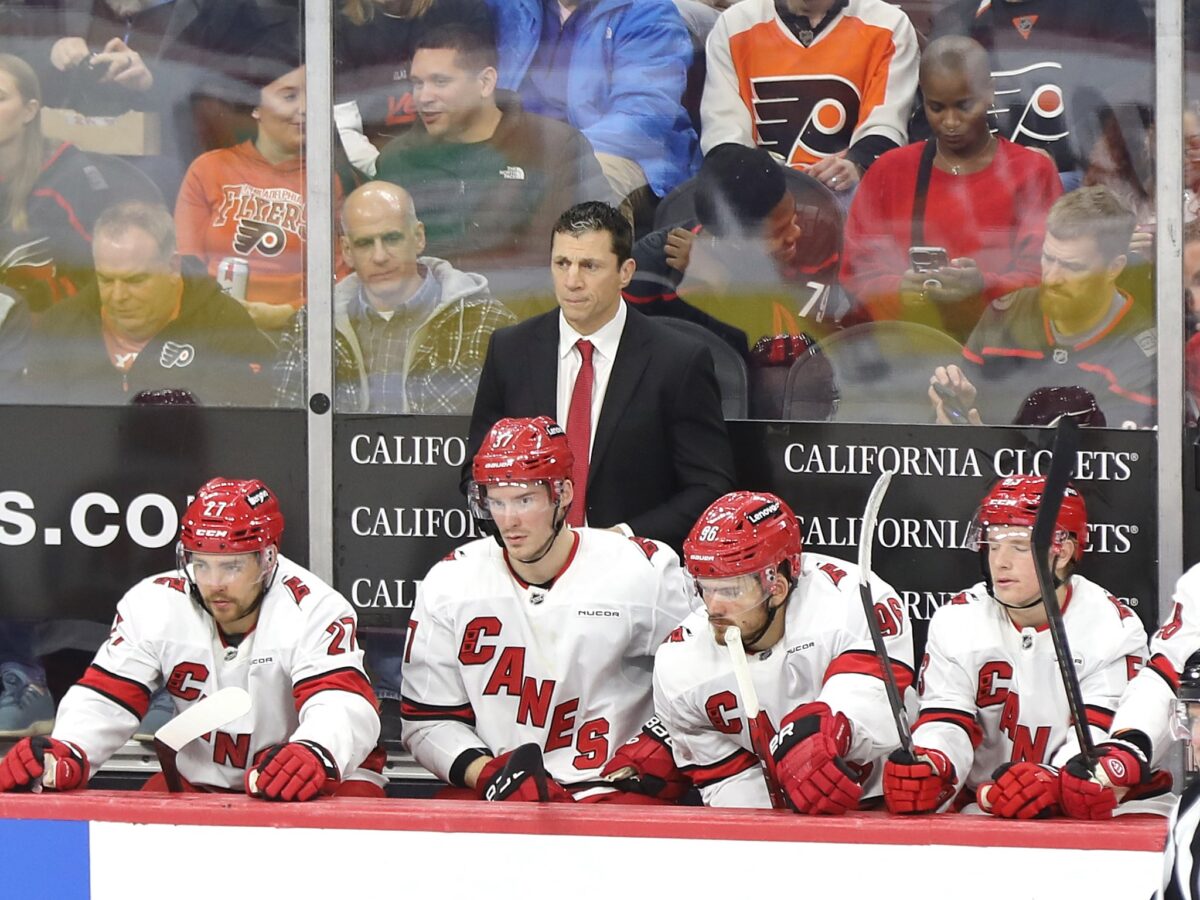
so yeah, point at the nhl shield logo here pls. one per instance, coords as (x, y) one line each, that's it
(176, 356)
(1061, 356)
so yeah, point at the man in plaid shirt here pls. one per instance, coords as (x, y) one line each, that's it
(411, 330)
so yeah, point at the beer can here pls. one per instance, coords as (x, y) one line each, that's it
(233, 274)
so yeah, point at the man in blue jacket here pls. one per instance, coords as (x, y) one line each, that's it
(616, 70)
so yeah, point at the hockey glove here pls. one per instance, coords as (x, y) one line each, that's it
(60, 766)
(645, 765)
(297, 770)
(918, 783)
(808, 753)
(520, 775)
(1022, 790)
(1087, 794)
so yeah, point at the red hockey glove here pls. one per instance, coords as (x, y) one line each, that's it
(521, 775)
(645, 765)
(1087, 794)
(808, 753)
(60, 766)
(1022, 790)
(918, 783)
(297, 770)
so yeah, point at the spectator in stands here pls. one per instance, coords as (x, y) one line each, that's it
(1077, 328)
(109, 57)
(981, 199)
(614, 69)
(144, 326)
(247, 203)
(1065, 75)
(749, 230)
(489, 177)
(373, 45)
(1191, 308)
(50, 197)
(14, 344)
(412, 330)
(838, 79)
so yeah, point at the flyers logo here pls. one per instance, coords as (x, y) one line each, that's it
(1031, 106)
(267, 239)
(176, 356)
(804, 118)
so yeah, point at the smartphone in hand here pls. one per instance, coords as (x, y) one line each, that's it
(951, 404)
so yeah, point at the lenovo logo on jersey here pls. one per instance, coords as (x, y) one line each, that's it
(763, 512)
(602, 613)
(259, 497)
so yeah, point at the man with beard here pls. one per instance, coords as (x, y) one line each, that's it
(1076, 328)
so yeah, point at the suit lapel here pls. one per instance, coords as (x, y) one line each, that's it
(633, 355)
(542, 367)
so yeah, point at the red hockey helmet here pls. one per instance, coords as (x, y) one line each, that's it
(231, 515)
(743, 533)
(521, 451)
(1015, 501)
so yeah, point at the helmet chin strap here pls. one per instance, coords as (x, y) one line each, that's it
(546, 547)
(270, 556)
(1059, 581)
(748, 641)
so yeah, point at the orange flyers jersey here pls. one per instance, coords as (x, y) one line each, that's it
(857, 77)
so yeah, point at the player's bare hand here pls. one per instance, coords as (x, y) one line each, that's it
(125, 66)
(949, 391)
(68, 52)
(836, 172)
(678, 248)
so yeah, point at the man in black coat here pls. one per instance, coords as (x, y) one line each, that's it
(659, 450)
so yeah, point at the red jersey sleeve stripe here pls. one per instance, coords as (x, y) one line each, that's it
(1115, 386)
(128, 694)
(428, 712)
(349, 679)
(1012, 351)
(1098, 716)
(738, 761)
(1163, 667)
(972, 356)
(953, 717)
(864, 662)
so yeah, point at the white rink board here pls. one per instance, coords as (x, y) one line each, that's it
(201, 862)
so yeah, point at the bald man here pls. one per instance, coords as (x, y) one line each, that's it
(412, 331)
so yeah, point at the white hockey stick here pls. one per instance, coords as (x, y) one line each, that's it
(757, 721)
(865, 541)
(194, 722)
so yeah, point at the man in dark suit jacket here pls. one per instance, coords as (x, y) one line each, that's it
(660, 452)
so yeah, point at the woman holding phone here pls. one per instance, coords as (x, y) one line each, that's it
(940, 228)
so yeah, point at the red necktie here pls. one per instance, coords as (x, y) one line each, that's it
(579, 431)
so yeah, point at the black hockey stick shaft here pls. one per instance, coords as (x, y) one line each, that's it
(865, 542)
(1062, 467)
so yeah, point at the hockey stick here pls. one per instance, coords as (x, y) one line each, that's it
(194, 722)
(1062, 467)
(757, 721)
(865, 541)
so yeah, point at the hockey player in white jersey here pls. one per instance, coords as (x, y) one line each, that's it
(529, 654)
(235, 613)
(811, 662)
(1181, 868)
(1134, 759)
(994, 726)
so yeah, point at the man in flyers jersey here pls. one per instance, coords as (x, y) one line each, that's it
(811, 660)
(529, 654)
(235, 613)
(994, 727)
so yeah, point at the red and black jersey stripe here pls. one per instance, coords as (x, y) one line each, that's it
(1098, 716)
(429, 712)
(738, 761)
(963, 720)
(865, 662)
(348, 679)
(1160, 664)
(127, 693)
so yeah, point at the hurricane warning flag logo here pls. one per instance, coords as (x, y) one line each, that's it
(805, 118)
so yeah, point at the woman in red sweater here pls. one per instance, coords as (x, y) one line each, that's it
(984, 202)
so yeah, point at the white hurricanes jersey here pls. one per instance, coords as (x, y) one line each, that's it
(1147, 704)
(493, 663)
(825, 654)
(301, 665)
(991, 692)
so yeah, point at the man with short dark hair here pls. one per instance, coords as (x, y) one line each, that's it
(144, 325)
(1076, 328)
(639, 400)
(488, 177)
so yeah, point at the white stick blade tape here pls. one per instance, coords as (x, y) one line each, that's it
(199, 719)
